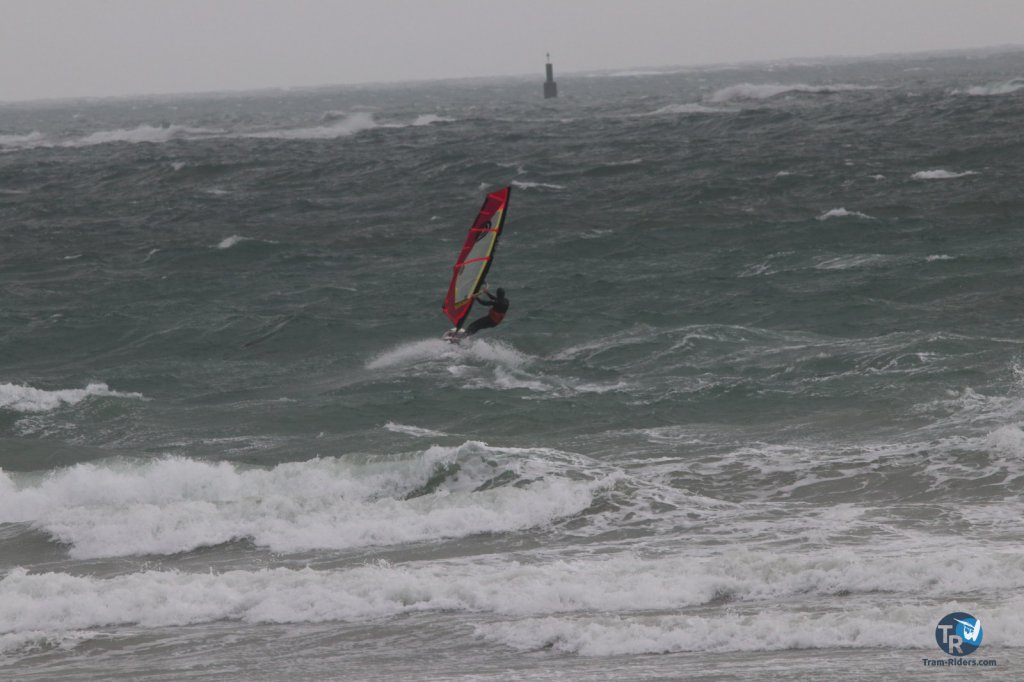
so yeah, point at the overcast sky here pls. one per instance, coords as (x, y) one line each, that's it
(70, 48)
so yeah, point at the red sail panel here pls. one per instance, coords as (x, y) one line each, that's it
(475, 257)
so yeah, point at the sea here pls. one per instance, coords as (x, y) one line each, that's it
(756, 410)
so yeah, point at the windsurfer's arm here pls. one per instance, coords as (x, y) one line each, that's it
(484, 292)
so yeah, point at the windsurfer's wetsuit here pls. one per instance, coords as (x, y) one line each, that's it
(498, 307)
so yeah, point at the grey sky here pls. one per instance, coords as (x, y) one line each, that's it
(70, 48)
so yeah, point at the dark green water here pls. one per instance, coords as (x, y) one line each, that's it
(757, 405)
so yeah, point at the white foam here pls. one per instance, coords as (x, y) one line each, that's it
(413, 430)
(30, 641)
(413, 352)
(349, 125)
(523, 184)
(940, 175)
(28, 141)
(496, 353)
(1008, 440)
(177, 504)
(638, 73)
(993, 89)
(545, 384)
(142, 134)
(228, 242)
(474, 350)
(587, 349)
(843, 213)
(937, 257)
(758, 270)
(773, 630)
(852, 261)
(744, 91)
(428, 119)
(506, 380)
(561, 601)
(28, 399)
(689, 108)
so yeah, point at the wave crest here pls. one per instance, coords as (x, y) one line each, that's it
(29, 399)
(768, 90)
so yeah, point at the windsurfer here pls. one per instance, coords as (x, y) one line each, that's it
(498, 307)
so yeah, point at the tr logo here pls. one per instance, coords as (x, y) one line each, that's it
(958, 634)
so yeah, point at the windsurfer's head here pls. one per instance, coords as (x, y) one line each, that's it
(501, 293)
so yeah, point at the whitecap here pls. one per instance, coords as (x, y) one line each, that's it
(350, 125)
(413, 430)
(522, 184)
(852, 261)
(142, 134)
(940, 174)
(228, 242)
(744, 91)
(27, 141)
(689, 108)
(843, 213)
(29, 399)
(993, 89)
(587, 606)
(178, 504)
(428, 119)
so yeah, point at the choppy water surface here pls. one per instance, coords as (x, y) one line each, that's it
(756, 409)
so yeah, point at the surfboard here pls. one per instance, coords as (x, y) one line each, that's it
(454, 335)
(474, 261)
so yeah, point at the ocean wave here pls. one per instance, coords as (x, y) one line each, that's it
(29, 399)
(478, 350)
(33, 139)
(746, 91)
(349, 125)
(993, 89)
(778, 630)
(843, 213)
(545, 384)
(849, 262)
(940, 174)
(336, 125)
(176, 504)
(142, 134)
(428, 119)
(228, 242)
(549, 600)
(638, 73)
(523, 184)
(413, 430)
(689, 108)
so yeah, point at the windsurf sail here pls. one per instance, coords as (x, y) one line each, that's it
(475, 257)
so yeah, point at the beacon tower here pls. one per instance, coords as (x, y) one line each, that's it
(550, 86)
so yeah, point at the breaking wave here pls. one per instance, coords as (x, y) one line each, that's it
(29, 399)
(940, 175)
(176, 504)
(746, 91)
